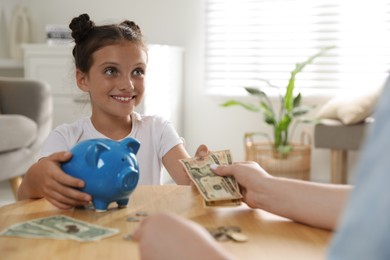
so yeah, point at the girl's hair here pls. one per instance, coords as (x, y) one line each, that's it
(90, 38)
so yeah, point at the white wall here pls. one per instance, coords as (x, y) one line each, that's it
(180, 23)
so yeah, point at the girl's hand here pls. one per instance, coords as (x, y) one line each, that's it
(46, 179)
(202, 151)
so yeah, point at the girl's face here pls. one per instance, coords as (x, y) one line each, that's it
(115, 81)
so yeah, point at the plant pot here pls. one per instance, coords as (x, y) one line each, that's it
(295, 164)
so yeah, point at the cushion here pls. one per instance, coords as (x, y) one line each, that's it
(350, 108)
(16, 131)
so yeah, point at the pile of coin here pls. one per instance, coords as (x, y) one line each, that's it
(226, 233)
(72, 229)
(128, 237)
(138, 216)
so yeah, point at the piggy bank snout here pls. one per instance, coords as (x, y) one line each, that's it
(128, 179)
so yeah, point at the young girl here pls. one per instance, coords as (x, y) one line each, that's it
(110, 63)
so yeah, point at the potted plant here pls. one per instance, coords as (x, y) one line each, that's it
(289, 114)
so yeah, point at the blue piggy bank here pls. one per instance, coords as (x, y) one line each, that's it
(109, 169)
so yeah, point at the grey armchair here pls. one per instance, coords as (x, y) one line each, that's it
(25, 122)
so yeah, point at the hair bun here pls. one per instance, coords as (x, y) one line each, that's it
(132, 25)
(80, 27)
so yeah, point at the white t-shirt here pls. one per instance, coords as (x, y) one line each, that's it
(156, 135)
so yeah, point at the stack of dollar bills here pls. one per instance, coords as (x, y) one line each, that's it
(217, 191)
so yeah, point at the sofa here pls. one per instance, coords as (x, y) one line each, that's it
(25, 122)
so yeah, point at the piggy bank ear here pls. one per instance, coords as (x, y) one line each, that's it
(94, 152)
(132, 144)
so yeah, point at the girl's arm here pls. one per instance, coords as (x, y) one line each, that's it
(171, 161)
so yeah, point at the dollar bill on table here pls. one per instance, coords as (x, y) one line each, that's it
(59, 227)
(216, 190)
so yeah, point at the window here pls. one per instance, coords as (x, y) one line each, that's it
(248, 40)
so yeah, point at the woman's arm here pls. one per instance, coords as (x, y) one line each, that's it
(311, 203)
(315, 204)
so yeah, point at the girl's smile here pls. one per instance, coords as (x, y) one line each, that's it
(123, 99)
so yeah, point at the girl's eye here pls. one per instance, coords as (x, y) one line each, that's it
(138, 72)
(110, 71)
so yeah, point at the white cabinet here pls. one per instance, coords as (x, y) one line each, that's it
(55, 65)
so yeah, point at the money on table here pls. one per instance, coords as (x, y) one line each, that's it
(59, 227)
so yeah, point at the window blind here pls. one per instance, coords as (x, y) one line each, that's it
(251, 40)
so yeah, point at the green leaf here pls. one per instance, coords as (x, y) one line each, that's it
(297, 100)
(284, 122)
(268, 113)
(269, 116)
(311, 58)
(245, 105)
(299, 111)
(269, 120)
(255, 92)
(288, 97)
(288, 102)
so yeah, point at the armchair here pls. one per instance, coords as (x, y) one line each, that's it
(25, 122)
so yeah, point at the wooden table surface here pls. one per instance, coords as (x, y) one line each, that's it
(269, 236)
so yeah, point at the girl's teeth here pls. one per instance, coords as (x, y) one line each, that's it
(123, 98)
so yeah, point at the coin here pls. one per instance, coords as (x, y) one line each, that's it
(232, 228)
(221, 237)
(225, 233)
(141, 213)
(219, 233)
(128, 237)
(133, 219)
(72, 229)
(236, 236)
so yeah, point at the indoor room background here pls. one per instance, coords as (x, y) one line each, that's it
(179, 23)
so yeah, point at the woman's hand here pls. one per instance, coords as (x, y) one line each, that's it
(250, 177)
(167, 236)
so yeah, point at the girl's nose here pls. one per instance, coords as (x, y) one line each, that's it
(127, 84)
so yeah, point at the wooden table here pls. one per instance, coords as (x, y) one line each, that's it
(270, 236)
